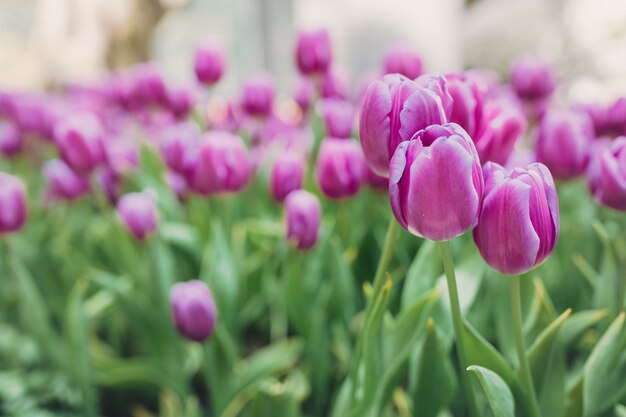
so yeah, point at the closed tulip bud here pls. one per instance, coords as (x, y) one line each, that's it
(149, 86)
(607, 173)
(502, 125)
(209, 64)
(287, 174)
(564, 143)
(532, 78)
(304, 93)
(338, 117)
(340, 167)
(79, 138)
(63, 183)
(13, 210)
(180, 101)
(138, 212)
(258, 95)
(10, 139)
(175, 142)
(303, 218)
(394, 108)
(177, 183)
(220, 164)
(436, 183)
(519, 221)
(402, 59)
(313, 51)
(335, 84)
(193, 310)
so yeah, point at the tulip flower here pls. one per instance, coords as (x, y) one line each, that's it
(303, 218)
(438, 84)
(287, 174)
(436, 183)
(376, 181)
(193, 310)
(532, 78)
(138, 212)
(110, 182)
(180, 101)
(63, 183)
(79, 138)
(10, 138)
(13, 209)
(564, 143)
(467, 102)
(177, 183)
(519, 222)
(402, 59)
(258, 95)
(313, 52)
(175, 142)
(607, 173)
(303, 95)
(209, 64)
(335, 84)
(340, 167)
(338, 117)
(501, 126)
(394, 108)
(149, 85)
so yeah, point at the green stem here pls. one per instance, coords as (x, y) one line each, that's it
(385, 257)
(527, 380)
(457, 321)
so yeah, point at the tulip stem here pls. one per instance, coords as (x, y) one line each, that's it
(457, 321)
(385, 257)
(527, 380)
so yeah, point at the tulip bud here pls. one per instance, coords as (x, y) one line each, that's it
(393, 109)
(564, 142)
(313, 51)
(501, 126)
(138, 213)
(149, 86)
(193, 310)
(209, 64)
(258, 95)
(287, 175)
(519, 221)
(220, 164)
(304, 93)
(177, 183)
(303, 216)
(532, 78)
(607, 173)
(10, 139)
(436, 183)
(340, 167)
(335, 84)
(180, 102)
(338, 117)
(122, 154)
(402, 59)
(110, 181)
(63, 183)
(79, 138)
(175, 141)
(13, 209)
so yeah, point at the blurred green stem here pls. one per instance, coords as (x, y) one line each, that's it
(527, 380)
(457, 321)
(385, 257)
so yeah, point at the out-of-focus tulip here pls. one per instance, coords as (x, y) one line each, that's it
(149, 85)
(532, 78)
(338, 117)
(175, 142)
(303, 218)
(402, 59)
(10, 138)
(180, 101)
(63, 183)
(607, 173)
(122, 154)
(13, 209)
(335, 84)
(502, 125)
(193, 310)
(467, 102)
(110, 181)
(79, 138)
(177, 183)
(616, 117)
(519, 221)
(436, 183)
(520, 158)
(220, 164)
(564, 143)
(313, 52)
(209, 63)
(340, 167)
(138, 212)
(376, 181)
(258, 95)
(394, 108)
(303, 95)
(287, 174)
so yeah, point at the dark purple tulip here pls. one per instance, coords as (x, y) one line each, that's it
(313, 52)
(13, 210)
(502, 125)
(340, 167)
(532, 78)
(402, 59)
(10, 138)
(335, 84)
(519, 222)
(220, 164)
(63, 183)
(287, 174)
(79, 138)
(338, 117)
(193, 310)
(607, 173)
(138, 212)
(175, 142)
(258, 95)
(394, 108)
(209, 64)
(303, 218)
(305, 89)
(436, 183)
(564, 143)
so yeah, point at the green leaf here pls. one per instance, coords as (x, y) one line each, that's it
(423, 272)
(574, 399)
(498, 394)
(481, 353)
(578, 323)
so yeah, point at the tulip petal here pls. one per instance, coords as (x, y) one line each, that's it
(374, 125)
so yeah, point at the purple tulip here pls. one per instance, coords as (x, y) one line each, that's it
(335, 84)
(436, 183)
(209, 64)
(149, 86)
(340, 167)
(258, 95)
(110, 181)
(193, 310)
(338, 117)
(616, 117)
(10, 138)
(376, 181)
(402, 59)
(564, 143)
(122, 154)
(607, 173)
(394, 108)
(175, 142)
(519, 222)
(180, 101)
(438, 84)
(467, 102)
(532, 78)
(138, 212)
(220, 164)
(313, 52)
(303, 217)
(79, 138)
(303, 95)
(13, 210)
(63, 183)
(287, 174)
(502, 125)
(177, 183)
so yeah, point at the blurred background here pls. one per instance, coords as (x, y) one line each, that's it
(44, 43)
